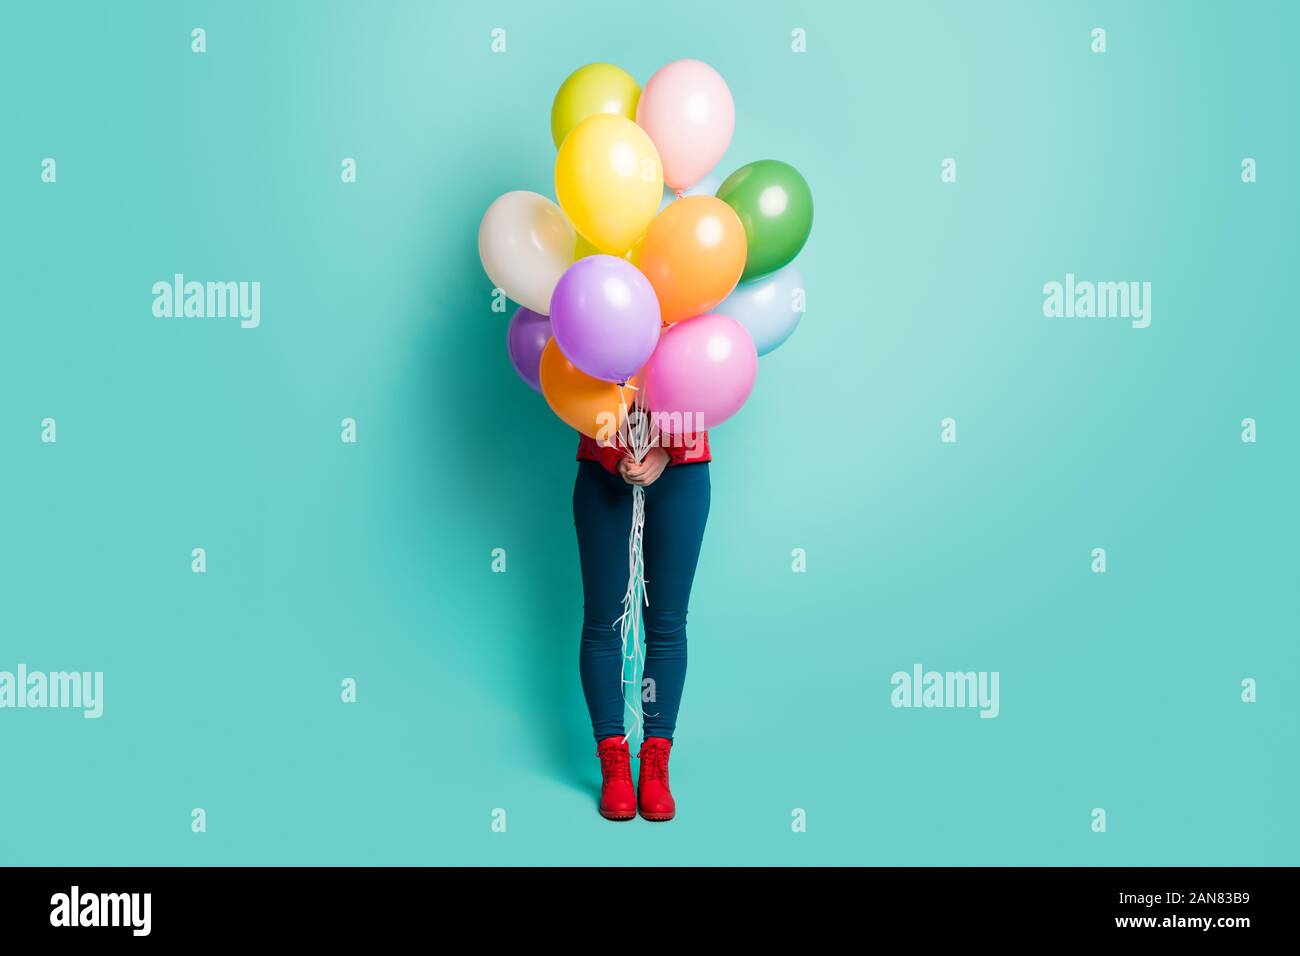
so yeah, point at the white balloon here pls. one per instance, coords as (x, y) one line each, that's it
(526, 243)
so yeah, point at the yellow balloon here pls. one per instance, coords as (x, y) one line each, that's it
(594, 88)
(633, 255)
(609, 181)
(585, 248)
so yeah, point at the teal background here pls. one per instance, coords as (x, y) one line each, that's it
(372, 561)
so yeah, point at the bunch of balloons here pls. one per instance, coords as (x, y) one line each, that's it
(648, 273)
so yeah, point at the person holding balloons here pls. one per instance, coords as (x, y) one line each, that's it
(646, 296)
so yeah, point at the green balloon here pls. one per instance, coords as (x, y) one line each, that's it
(775, 206)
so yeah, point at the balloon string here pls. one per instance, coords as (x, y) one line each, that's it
(629, 622)
(637, 437)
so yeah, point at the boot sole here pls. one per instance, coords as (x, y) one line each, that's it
(658, 817)
(618, 816)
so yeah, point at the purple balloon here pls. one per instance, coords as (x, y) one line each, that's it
(525, 339)
(605, 317)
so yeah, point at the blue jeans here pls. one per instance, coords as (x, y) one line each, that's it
(676, 508)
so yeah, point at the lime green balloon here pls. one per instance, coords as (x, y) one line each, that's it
(591, 89)
(775, 206)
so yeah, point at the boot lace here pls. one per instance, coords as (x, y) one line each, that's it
(615, 765)
(654, 760)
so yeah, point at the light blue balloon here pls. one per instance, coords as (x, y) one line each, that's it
(708, 186)
(769, 307)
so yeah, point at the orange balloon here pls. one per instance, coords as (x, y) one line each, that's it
(693, 255)
(594, 407)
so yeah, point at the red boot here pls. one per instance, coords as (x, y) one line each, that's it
(617, 798)
(652, 788)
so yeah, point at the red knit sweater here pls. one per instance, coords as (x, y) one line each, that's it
(690, 449)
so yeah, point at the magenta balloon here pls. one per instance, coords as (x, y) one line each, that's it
(605, 317)
(700, 374)
(525, 338)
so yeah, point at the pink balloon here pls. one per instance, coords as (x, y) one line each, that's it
(688, 112)
(700, 374)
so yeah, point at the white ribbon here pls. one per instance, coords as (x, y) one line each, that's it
(638, 436)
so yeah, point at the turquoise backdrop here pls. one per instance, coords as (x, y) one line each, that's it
(372, 561)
